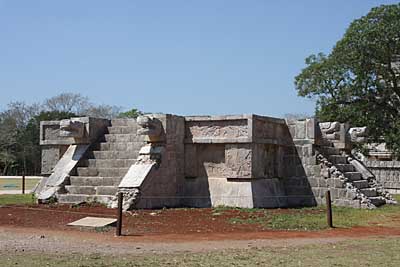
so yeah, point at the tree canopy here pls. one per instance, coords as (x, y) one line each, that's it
(20, 151)
(358, 82)
(80, 105)
(133, 113)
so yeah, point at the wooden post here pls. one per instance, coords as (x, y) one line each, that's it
(119, 218)
(23, 183)
(24, 173)
(329, 209)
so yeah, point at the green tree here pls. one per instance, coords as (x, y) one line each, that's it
(133, 113)
(20, 151)
(67, 102)
(28, 150)
(12, 122)
(80, 105)
(358, 81)
(19, 143)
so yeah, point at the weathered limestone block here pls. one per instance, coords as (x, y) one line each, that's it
(323, 182)
(216, 129)
(347, 203)
(129, 199)
(269, 161)
(313, 181)
(191, 161)
(50, 156)
(238, 159)
(136, 174)
(50, 130)
(132, 181)
(212, 192)
(270, 130)
(302, 130)
(211, 160)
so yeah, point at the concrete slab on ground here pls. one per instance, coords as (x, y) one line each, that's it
(93, 222)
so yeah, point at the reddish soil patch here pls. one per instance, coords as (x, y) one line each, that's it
(168, 224)
(167, 221)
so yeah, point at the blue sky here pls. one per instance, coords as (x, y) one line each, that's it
(183, 57)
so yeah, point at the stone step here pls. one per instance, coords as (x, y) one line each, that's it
(80, 198)
(338, 159)
(114, 154)
(353, 176)
(121, 146)
(110, 163)
(345, 167)
(102, 172)
(123, 122)
(107, 190)
(361, 184)
(91, 190)
(369, 192)
(326, 150)
(123, 138)
(377, 201)
(122, 129)
(81, 190)
(94, 181)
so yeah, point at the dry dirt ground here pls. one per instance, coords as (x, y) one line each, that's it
(43, 229)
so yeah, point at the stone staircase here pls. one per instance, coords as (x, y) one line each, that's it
(98, 175)
(364, 188)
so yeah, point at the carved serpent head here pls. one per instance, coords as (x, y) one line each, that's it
(358, 134)
(150, 127)
(330, 130)
(72, 128)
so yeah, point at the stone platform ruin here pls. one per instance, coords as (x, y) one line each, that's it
(163, 160)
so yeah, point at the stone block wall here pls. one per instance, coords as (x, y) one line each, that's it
(165, 186)
(218, 146)
(249, 161)
(51, 154)
(300, 164)
(218, 154)
(387, 173)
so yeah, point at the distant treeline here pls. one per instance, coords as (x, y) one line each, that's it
(20, 126)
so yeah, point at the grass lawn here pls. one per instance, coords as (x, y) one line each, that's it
(16, 184)
(315, 218)
(369, 252)
(17, 199)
